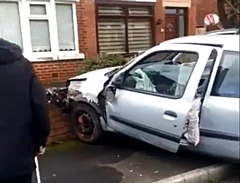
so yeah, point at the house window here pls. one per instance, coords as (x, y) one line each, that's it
(44, 29)
(124, 29)
(10, 27)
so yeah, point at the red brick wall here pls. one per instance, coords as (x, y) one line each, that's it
(59, 126)
(56, 71)
(205, 7)
(192, 18)
(159, 13)
(87, 27)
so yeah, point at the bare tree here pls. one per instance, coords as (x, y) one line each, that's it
(229, 12)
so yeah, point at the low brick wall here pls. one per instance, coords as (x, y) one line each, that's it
(59, 126)
(51, 72)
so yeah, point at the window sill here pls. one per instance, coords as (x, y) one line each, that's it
(49, 58)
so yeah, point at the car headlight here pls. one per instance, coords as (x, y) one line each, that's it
(74, 87)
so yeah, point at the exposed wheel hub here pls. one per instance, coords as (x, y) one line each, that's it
(85, 124)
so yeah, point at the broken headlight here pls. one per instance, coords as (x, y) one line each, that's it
(74, 87)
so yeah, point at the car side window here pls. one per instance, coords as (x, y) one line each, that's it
(226, 83)
(159, 73)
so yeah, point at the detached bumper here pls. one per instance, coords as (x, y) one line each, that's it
(58, 97)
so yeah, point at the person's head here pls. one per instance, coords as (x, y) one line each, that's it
(9, 51)
(227, 8)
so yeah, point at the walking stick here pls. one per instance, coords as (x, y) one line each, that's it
(37, 170)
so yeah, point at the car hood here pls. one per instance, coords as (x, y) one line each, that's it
(93, 83)
(94, 74)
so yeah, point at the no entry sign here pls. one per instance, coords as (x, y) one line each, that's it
(211, 19)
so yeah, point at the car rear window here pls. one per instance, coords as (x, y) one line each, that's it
(226, 83)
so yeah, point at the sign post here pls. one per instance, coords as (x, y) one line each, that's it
(212, 19)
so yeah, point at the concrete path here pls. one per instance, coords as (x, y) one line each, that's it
(117, 160)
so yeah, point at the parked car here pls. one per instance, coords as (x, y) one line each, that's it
(231, 31)
(181, 93)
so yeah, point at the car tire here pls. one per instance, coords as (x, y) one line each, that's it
(79, 115)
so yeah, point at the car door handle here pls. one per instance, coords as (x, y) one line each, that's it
(171, 114)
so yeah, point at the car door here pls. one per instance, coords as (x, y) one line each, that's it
(220, 109)
(154, 110)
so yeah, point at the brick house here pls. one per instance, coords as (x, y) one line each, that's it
(57, 34)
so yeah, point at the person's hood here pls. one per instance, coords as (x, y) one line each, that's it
(9, 52)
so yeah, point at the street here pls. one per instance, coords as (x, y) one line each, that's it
(117, 159)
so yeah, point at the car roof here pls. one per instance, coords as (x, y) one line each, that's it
(227, 42)
(222, 31)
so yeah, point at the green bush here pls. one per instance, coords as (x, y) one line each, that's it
(102, 61)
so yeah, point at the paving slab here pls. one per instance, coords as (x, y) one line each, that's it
(118, 159)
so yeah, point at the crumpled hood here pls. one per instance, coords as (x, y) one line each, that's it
(94, 83)
(9, 52)
(95, 73)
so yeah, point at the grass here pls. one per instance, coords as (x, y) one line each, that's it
(63, 145)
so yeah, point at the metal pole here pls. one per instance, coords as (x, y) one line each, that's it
(37, 170)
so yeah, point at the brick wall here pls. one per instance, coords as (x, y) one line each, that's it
(87, 27)
(59, 126)
(205, 7)
(56, 71)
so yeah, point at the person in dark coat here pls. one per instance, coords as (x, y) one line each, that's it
(24, 121)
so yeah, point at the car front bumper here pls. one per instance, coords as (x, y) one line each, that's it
(58, 97)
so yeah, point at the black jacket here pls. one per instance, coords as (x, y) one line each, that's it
(24, 121)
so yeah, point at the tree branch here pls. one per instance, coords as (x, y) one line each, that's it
(234, 9)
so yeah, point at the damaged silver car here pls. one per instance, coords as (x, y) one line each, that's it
(181, 93)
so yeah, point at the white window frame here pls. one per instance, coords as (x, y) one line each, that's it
(54, 54)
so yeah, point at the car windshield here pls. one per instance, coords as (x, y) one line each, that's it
(114, 71)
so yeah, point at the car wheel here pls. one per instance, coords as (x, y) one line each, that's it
(85, 123)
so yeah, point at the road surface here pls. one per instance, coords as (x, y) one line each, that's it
(117, 159)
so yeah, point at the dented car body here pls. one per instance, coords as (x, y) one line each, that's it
(183, 92)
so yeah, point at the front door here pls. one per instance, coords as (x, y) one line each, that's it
(171, 27)
(154, 94)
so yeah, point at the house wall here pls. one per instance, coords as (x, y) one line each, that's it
(160, 14)
(50, 72)
(204, 8)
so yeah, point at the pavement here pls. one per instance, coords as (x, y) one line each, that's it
(118, 159)
(233, 179)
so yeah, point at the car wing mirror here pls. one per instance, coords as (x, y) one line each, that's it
(110, 90)
(118, 81)
(110, 93)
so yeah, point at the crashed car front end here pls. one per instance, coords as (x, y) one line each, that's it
(57, 97)
(85, 87)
